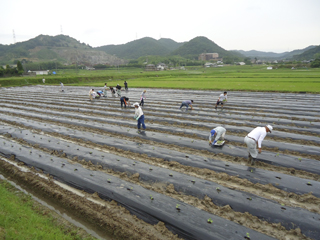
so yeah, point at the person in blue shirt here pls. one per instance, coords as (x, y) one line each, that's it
(216, 134)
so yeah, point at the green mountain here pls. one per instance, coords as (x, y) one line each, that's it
(272, 55)
(311, 53)
(138, 48)
(170, 44)
(59, 48)
(198, 45)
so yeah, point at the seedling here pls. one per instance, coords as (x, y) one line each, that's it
(90, 152)
(150, 169)
(62, 165)
(309, 184)
(178, 207)
(249, 198)
(277, 154)
(108, 180)
(151, 197)
(170, 174)
(248, 236)
(251, 170)
(75, 169)
(209, 220)
(218, 189)
(300, 159)
(118, 160)
(193, 181)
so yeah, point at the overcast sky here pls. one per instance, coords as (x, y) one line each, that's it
(263, 25)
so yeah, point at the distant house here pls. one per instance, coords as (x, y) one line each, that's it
(241, 63)
(41, 72)
(269, 68)
(150, 67)
(209, 64)
(162, 66)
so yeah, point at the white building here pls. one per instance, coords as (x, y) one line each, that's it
(41, 72)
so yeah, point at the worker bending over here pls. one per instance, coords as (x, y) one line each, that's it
(124, 101)
(216, 134)
(254, 140)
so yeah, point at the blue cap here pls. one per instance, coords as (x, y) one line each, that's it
(213, 132)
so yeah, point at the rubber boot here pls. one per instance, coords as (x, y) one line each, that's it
(253, 160)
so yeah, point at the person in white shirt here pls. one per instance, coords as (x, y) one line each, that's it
(139, 116)
(142, 97)
(222, 98)
(105, 90)
(218, 133)
(254, 140)
(61, 84)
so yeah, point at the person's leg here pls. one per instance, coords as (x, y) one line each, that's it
(142, 101)
(122, 102)
(215, 107)
(139, 122)
(142, 122)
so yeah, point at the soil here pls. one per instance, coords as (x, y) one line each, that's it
(117, 220)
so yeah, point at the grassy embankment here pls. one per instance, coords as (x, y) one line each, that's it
(243, 78)
(21, 218)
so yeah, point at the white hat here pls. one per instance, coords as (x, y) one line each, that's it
(270, 127)
(135, 104)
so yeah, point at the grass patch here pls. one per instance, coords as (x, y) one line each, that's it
(20, 218)
(236, 78)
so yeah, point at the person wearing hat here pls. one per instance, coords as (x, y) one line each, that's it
(187, 103)
(218, 133)
(222, 98)
(124, 101)
(61, 84)
(142, 97)
(254, 140)
(139, 116)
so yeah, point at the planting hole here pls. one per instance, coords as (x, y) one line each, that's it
(278, 177)
(309, 184)
(283, 208)
(249, 198)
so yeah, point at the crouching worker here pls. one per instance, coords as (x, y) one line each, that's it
(124, 101)
(217, 133)
(254, 140)
(139, 117)
(92, 94)
(187, 103)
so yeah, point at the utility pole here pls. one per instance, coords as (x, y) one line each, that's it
(14, 37)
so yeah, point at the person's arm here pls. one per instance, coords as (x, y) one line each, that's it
(191, 106)
(259, 142)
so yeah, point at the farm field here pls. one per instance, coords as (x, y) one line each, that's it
(240, 78)
(167, 183)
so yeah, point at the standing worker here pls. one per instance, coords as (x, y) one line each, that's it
(187, 103)
(105, 90)
(125, 86)
(217, 133)
(142, 97)
(112, 91)
(222, 98)
(254, 140)
(138, 115)
(61, 84)
(124, 101)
